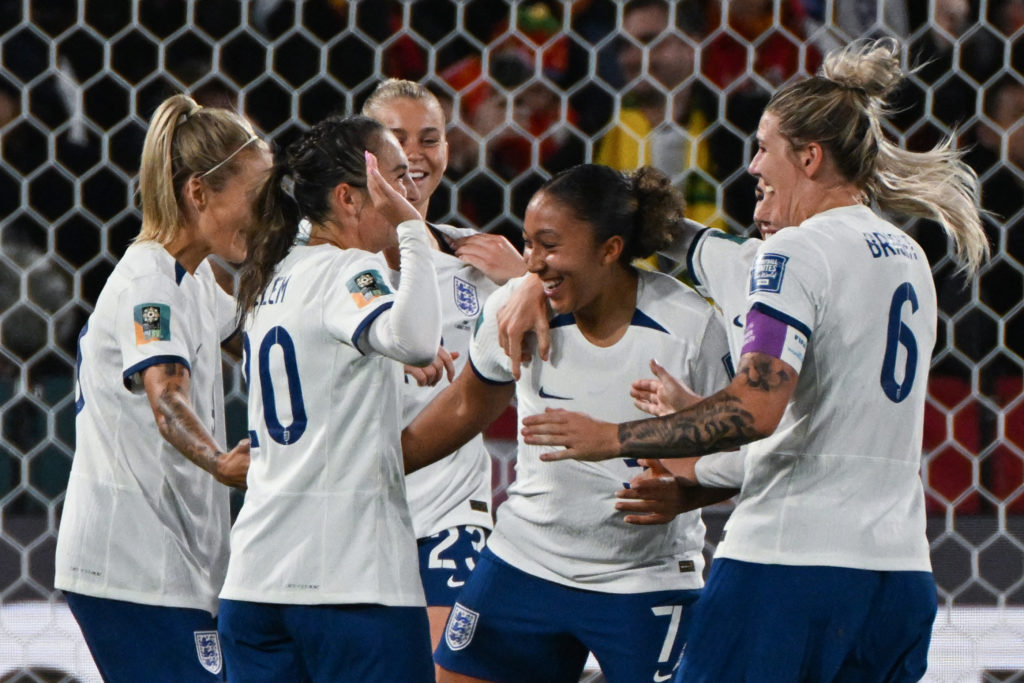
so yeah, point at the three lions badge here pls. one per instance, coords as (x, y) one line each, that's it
(461, 627)
(208, 651)
(466, 298)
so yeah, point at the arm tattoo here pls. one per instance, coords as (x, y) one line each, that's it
(723, 421)
(718, 423)
(182, 428)
(762, 373)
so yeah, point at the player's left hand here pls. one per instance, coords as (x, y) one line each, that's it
(232, 467)
(493, 255)
(391, 203)
(443, 364)
(583, 437)
(662, 395)
(653, 496)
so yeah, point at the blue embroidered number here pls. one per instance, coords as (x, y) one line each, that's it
(79, 396)
(900, 335)
(278, 336)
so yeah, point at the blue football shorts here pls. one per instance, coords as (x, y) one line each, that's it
(769, 622)
(295, 643)
(446, 559)
(132, 642)
(512, 626)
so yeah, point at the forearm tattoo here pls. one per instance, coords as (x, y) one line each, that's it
(721, 422)
(181, 426)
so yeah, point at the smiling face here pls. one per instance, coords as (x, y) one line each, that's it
(418, 126)
(560, 249)
(765, 210)
(779, 167)
(228, 212)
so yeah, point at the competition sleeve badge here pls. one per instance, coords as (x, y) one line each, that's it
(152, 323)
(767, 273)
(366, 287)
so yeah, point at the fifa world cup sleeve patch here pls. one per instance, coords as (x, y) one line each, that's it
(767, 273)
(366, 287)
(152, 323)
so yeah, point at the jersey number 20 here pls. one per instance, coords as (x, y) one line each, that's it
(278, 336)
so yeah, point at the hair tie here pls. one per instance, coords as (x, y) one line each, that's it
(288, 185)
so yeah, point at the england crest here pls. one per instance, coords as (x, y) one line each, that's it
(461, 627)
(208, 650)
(465, 297)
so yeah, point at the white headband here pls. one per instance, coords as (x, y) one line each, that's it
(231, 156)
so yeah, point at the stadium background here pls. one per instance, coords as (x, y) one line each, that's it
(534, 87)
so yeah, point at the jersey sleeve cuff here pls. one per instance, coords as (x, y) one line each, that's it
(133, 375)
(485, 379)
(366, 322)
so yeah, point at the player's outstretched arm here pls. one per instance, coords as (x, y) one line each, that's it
(464, 409)
(673, 259)
(749, 409)
(167, 387)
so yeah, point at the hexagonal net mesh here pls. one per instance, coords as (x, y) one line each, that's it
(531, 87)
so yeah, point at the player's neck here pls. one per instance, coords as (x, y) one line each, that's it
(605, 320)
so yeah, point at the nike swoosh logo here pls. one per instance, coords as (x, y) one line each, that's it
(658, 676)
(452, 583)
(544, 394)
(736, 322)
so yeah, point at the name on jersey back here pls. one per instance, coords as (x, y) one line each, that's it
(884, 245)
(274, 293)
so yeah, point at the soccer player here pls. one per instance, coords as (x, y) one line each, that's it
(562, 573)
(322, 580)
(450, 500)
(143, 541)
(824, 570)
(651, 497)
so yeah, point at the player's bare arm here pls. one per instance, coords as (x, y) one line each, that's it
(464, 409)
(749, 409)
(167, 387)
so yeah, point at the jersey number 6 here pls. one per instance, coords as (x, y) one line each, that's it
(900, 335)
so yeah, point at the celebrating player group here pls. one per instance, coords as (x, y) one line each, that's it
(377, 347)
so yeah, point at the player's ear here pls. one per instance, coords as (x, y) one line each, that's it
(811, 158)
(347, 199)
(195, 192)
(611, 250)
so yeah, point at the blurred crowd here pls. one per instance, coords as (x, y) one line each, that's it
(531, 89)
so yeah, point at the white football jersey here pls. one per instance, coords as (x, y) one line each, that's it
(719, 264)
(456, 490)
(559, 522)
(325, 520)
(141, 522)
(838, 482)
